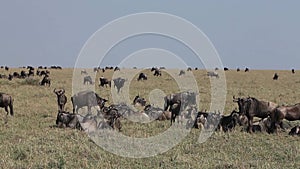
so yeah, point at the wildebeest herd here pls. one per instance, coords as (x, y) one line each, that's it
(181, 106)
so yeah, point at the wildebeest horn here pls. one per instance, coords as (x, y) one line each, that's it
(54, 90)
(62, 91)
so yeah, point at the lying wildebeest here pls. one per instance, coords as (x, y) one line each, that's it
(87, 98)
(87, 80)
(66, 119)
(6, 101)
(119, 83)
(252, 107)
(290, 113)
(104, 82)
(142, 76)
(157, 72)
(157, 113)
(182, 72)
(213, 74)
(61, 98)
(45, 81)
(295, 131)
(139, 100)
(275, 77)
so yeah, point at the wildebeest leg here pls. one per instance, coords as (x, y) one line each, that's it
(250, 124)
(6, 109)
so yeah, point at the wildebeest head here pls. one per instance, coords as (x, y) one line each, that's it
(139, 100)
(242, 104)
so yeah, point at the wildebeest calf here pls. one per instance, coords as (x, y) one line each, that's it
(295, 131)
(61, 98)
(7, 101)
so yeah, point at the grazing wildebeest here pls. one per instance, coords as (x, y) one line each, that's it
(84, 72)
(293, 71)
(142, 76)
(275, 77)
(87, 80)
(157, 72)
(295, 131)
(139, 100)
(45, 81)
(104, 82)
(10, 77)
(252, 107)
(66, 119)
(87, 98)
(182, 72)
(213, 74)
(290, 113)
(226, 69)
(246, 69)
(61, 98)
(16, 75)
(119, 83)
(6, 101)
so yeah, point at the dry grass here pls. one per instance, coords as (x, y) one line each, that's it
(27, 141)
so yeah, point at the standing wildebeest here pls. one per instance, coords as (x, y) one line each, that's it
(87, 80)
(275, 77)
(189, 69)
(84, 72)
(213, 74)
(61, 99)
(142, 76)
(293, 71)
(179, 101)
(139, 100)
(104, 82)
(117, 68)
(157, 72)
(238, 69)
(290, 113)
(119, 83)
(6, 68)
(87, 98)
(182, 72)
(251, 107)
(229, 122)
(45, 81)
(246, 69)
(5, 102)
(226, 69)
(295, 131)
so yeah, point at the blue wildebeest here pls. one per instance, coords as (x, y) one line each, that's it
(119, 83)
(61, 98)
(87, 80)
(104, 82)
(142, 76)
(6, 101)
(87, 98)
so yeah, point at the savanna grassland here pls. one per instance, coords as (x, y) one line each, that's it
(28, 140)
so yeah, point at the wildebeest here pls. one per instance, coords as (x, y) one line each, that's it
(10, 77)
(213, 74)
(157, 113)
(142, 76)
(139, 100)
(179, 101)
(66, 119)
(157, 72)
(238, 69)
(117, 68)
(181, 72)
(293, 71)
(290, 113)
(6, 68)
(104, 82)
(226, 69)
(295, 131)
(246, 69)
(84, 72)
(61, 98)
(6, 101)
(87, 80)
(119, 83)
(189, 69)
(45, 81)
(227, 123)
(87, 98)
(275, 77)
(252, 107)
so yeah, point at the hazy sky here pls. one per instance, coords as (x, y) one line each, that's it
(256, 34)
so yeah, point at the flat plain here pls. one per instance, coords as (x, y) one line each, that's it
(28, 140)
